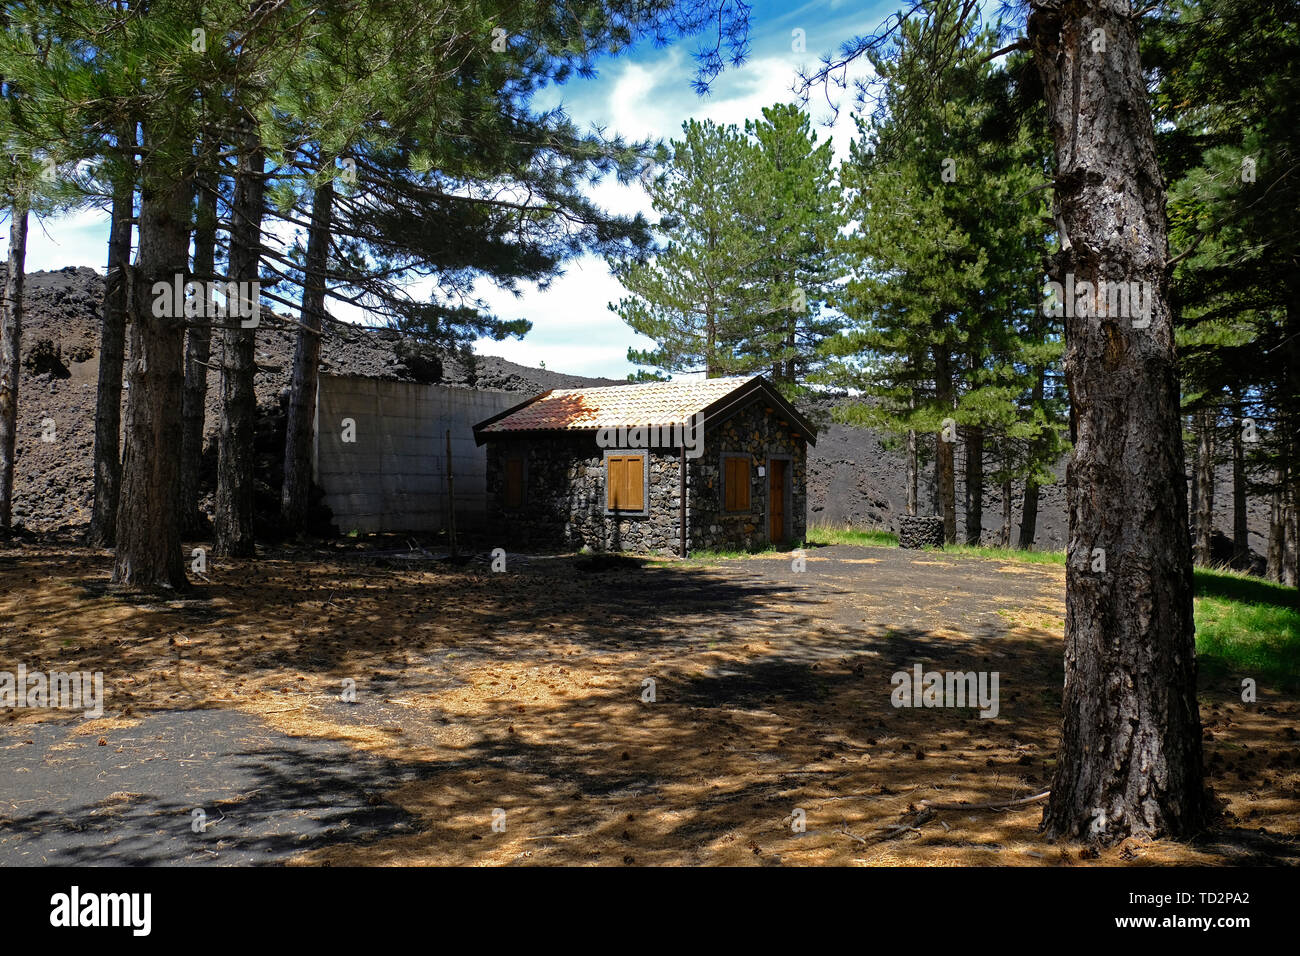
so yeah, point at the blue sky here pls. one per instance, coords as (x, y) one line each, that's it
(645, 94)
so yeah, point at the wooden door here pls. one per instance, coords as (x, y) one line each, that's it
(776, 471)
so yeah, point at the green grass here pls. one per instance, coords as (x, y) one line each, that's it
(1004, 554)
(708, 557)
(1248, 626)
(1242, 588)
(1244, 625)
(825, 535)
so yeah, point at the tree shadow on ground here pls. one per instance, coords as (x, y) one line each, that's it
(89, 807)
(654, 713)
(1247, 590)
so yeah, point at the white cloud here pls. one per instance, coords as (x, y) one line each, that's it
(80, 239)
(642, 100)
(573, 330)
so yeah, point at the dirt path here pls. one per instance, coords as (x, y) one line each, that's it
(507, 718)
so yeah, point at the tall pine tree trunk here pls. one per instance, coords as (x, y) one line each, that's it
(1290, 544)
(1028, 516)
(1276, 528)
(712, 367)
(912, 469)
(1204, 484)
(1290, 419)
(1195, 495)
(198, 351)
(1240, 532)
(974, 484)
(11, 331)
(913, 460)
(945, 488)
(1129, 761)
(944, 465)
(112, 354)
(235, 499)
(1029, 506)
(306, 366)
(1004, 536)
(148, 519)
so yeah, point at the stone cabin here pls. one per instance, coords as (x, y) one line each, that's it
(664, 467)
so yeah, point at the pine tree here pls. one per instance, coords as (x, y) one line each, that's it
(1229, 148)
(695, 299)
(179, 70)
(943, 291)
(740, 282)
(798, 220)
(38, 176)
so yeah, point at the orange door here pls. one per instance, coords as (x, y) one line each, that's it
(776, 500)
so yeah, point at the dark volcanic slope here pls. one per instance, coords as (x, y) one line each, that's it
(60, 355)
(852, 478)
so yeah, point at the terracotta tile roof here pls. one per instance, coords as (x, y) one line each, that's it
(655, 403)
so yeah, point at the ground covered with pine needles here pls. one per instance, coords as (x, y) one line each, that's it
(634, 712)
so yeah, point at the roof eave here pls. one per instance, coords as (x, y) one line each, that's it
(733, 402)
(478, 435)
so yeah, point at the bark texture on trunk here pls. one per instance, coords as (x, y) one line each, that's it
(1130, 752)
(712, 369)
(198, 351)
(1204, 484)
(974, 484)
(1004, 535)
(306, 367)
(11, 331)
(1290, 425)
(148, 520)
(946, 487)
(235, 499)
(112, 354)
(913, 460)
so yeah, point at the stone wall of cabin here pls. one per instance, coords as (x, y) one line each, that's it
(564, 497)
(751, 431)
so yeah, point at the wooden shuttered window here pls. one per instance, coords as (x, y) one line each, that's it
(735, 484)
(514, 483)
(625, 482)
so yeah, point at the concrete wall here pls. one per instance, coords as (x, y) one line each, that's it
(393, 477)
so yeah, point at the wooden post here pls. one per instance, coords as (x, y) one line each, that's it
(451, 499)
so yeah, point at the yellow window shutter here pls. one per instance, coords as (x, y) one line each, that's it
(613, 481)
(635, 483)
(625, 483)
